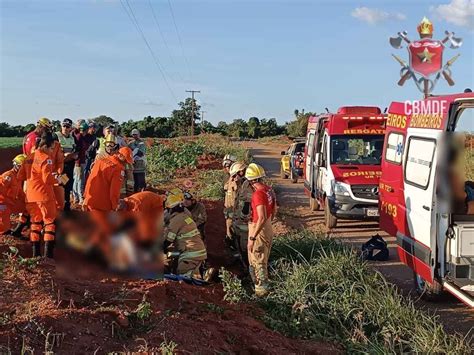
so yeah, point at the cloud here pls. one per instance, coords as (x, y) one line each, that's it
(458, 12)
(151, 103)
(374, 16)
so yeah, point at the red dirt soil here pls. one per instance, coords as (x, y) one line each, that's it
(41, 309)
(7, 155)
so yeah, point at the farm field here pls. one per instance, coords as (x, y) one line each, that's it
(311, 311)
(10, 142)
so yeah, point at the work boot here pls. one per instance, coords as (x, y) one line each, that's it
(49, 249)
(36, 249)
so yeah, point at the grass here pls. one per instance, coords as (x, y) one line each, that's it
(469, 156)
(211, 184)
(322, 290)
(10, 142)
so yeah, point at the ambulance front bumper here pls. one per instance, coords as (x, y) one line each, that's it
(345, 207)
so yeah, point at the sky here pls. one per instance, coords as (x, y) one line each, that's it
(263, 58)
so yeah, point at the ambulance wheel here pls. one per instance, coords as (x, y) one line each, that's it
(282, 174)
(329, 220)
(313, 204)
(427, 291)
(294, 178)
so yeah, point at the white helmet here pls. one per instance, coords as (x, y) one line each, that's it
(228, 160)
(236, 167)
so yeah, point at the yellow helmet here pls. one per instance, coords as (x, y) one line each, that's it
(254, 172)
(19, 159)
(174, 198)
(110, 138)
(45, 122)
(236, 167)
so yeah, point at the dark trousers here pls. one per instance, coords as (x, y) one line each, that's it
(69, 171)
(139, 182)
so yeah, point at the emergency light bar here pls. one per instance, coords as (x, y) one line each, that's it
(362, 118)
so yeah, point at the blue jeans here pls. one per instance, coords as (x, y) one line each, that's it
(79, 182)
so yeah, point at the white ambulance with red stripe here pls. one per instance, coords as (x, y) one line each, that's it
(342, 163)
(419, 187)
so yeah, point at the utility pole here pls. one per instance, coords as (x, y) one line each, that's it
(192, 109)
(202, 119)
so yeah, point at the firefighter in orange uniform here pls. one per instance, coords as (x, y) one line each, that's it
(147, 209)
(38, 171)
(102, 193)
(12, 197)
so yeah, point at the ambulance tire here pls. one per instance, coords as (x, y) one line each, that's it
(313, 204)
(329, 220)
(283, 174)
(427, 291)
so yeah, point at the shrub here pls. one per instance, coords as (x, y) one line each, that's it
(233, 289)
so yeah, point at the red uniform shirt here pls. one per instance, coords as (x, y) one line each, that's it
(262, 196)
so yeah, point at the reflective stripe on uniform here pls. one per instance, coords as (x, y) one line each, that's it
(198, 254)
(191, 234)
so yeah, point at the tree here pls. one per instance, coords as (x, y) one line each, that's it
(104, 120)
(269, 127)
(238, 128)
(254, 127)
(223, 128)
(298, 127)
(181, 119)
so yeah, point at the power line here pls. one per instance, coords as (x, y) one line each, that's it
(179, 39)
(132, 17)
(162, 35)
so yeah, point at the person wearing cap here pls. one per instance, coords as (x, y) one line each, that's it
(80, 163)
(31, 139)
(138, 147)
(182, 233)
(38, 170)
(12, 198)
(68, 144)
(198, 212)
(263, 207)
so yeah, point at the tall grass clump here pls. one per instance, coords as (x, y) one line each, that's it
(323, 290)
(211, 184)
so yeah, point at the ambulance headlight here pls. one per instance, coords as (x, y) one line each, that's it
(341, 189)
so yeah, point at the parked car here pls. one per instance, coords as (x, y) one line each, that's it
(292, 162)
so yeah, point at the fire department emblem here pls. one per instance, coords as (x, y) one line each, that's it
(425, 57)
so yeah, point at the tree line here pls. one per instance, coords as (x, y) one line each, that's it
(179, 124)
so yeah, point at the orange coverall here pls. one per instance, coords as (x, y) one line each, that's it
(12, 198)
(147, 209)
(37, 170)
(102, 195)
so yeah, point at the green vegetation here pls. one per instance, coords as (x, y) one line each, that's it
(10, 142)
(321, 289)
(233, 289)
(211, 182)
(167, 159)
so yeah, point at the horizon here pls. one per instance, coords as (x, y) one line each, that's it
(86, 59)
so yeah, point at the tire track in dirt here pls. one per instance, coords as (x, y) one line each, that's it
(294, 212)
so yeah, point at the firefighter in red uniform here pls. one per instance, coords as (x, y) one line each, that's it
(40, 178)
(31, 139)
(260, 240)
(12, 198)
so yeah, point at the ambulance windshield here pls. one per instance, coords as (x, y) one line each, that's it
(357, 149)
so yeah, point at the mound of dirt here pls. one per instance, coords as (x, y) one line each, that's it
(7, 155)
(45, 309)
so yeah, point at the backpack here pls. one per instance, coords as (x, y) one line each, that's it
(375, 249)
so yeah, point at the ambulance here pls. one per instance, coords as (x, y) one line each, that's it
(342, 163)
(426, 198)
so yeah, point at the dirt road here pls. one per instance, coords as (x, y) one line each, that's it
(295, 213)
